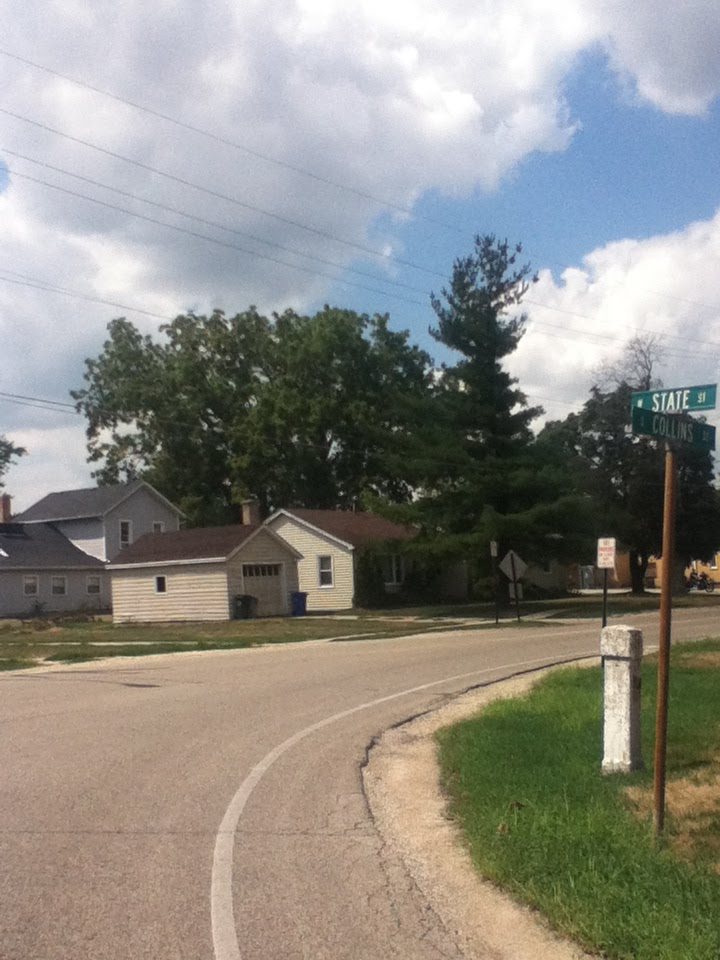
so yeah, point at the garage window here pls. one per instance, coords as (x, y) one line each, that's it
(160, 585)
(261, 569)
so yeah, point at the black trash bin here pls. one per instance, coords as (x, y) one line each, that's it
(245, 607)
(298, 603)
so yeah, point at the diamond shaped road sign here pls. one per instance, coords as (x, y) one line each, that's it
(510, 560)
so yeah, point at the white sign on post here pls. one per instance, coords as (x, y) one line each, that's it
(606, 553)
(513, 566)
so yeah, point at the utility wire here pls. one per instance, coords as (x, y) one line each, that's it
(24, 280)
(234, 144)
(51, 288)
(209, 239)
(209, 223)
(220, 196)
(183, 125)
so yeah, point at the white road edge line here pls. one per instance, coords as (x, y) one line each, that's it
(224, 932)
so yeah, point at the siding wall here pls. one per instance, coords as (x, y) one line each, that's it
(273, 593)
(194, 592)
(14, 603)
(142, 509)
(312, 546)
(86, 535)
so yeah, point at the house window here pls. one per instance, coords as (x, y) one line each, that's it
(160, 585)
(58, 586)
(93, 586)
(393, 569)
(325, 571)
(713, 564)
(158, 526)
(31, 586)
(261, 570)
(125, 533)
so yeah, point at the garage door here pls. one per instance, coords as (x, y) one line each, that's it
(266, 581)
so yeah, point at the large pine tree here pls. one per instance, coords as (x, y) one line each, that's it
(485, 416)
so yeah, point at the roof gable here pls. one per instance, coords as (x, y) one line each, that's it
(351, 529)
(89, 502)
(36, 546)
(195, 545)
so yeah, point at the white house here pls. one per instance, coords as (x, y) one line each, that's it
(329, 541)
(198, 574)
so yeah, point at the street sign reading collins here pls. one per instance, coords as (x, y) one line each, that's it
(668, 427)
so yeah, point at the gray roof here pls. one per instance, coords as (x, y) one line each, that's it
(199, 543)
(40, 546)
(81, 504)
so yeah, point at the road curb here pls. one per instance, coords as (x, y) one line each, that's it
(401, 782)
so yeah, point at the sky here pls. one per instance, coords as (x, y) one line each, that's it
(159, 158)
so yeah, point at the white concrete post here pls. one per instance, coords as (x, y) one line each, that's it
(621, 648)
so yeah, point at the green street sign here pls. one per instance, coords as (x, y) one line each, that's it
(677, 400)
(681, 429)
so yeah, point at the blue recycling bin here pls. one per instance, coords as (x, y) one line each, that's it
(298, 603)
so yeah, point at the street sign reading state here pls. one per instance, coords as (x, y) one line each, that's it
(668, 427)
(677, 400)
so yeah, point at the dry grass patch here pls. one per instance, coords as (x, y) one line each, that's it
(693, 810)
(707, 660)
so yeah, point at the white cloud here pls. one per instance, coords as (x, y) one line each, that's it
(669, 48)
(394, 99)
(666, 285)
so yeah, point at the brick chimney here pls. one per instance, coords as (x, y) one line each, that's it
(5, 509)
(250, 512)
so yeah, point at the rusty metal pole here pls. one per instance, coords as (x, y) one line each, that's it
(663, 685)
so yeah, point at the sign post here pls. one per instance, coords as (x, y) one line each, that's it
(513, 566)
(663, 686)
(605, 562)
(662, 414)
(493, 557)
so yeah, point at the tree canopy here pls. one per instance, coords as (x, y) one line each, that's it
(8, 454)
(336, 410)
(292, 409)
(623, 474)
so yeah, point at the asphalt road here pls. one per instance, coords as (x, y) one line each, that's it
(210, 806)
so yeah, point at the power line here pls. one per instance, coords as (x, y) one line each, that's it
(257, 154)
(220, 196)
(209, 239)
(232, 143)
(51, 288)
(209, 223)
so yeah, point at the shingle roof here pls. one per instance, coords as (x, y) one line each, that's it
(74, 504)
(201, 543)
(39, 546)
(357, 529)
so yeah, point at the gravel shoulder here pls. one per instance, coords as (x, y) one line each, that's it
(401, 781)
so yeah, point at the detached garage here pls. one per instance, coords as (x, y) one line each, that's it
(198, 574)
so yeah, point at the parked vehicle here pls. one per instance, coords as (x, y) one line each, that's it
(699, 582)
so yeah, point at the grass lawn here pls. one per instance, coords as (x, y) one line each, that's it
(27, 643)
(541, 821)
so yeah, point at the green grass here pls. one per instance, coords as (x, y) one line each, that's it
(25, 643)
(541, 821)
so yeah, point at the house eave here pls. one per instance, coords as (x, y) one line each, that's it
(309, 526)
(165, 563)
